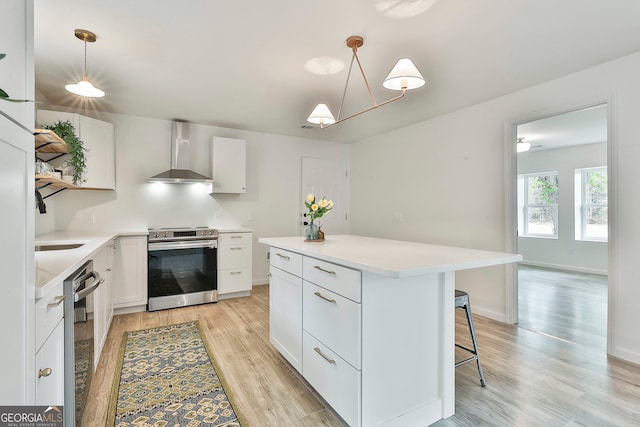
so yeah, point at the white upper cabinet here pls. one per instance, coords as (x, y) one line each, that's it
(229, 165)
(98, 139)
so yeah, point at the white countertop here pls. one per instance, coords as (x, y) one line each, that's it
(391, 258)
(54, 266)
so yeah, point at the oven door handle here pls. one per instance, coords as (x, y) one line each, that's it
(83, 293)
(167, 246)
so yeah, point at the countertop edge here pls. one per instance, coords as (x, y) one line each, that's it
(308, 249)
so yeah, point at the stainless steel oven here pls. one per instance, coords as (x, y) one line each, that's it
(182, 267)
(78, 340)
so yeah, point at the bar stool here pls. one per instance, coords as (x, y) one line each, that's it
(462, 301)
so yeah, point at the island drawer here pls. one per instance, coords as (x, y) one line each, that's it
(290, 262)
(341, 280)
(334, 320)
(337, 381)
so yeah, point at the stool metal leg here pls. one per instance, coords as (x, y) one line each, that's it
(466, 305)
(472, 330)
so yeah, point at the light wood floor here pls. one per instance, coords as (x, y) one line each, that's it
(532, 379)
(571, 306)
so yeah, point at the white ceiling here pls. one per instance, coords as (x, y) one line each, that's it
(584, 126)
(240, 64)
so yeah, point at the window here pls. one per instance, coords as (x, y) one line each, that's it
(538, 202)
(592, 211)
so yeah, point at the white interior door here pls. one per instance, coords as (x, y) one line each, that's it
(327, 178)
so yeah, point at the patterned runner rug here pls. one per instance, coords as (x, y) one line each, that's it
(166, 377)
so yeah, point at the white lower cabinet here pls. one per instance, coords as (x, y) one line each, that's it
(234, 264)
(49, 320)
(103, 298)
(130, 273)
(316, 324)
(285, 315)
(50, 369)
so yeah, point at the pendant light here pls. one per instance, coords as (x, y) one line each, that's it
(84, 87)
(403, 76)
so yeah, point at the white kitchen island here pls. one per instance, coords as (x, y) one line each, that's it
(369, 323)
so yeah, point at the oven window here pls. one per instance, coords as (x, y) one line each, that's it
(181, 271)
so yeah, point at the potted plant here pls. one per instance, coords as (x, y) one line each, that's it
(77, 159)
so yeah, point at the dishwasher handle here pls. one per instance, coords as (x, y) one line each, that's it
(83, 293)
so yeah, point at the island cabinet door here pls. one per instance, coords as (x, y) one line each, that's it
(285, 315)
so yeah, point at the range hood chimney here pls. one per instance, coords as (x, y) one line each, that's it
(180, 172)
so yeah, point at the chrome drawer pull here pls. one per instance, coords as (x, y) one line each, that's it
(236, 237)
(317, 350)
(58, 300)
(317, 267)
(318, 294)
(236, 249)
(283, 256)
(235, 273)
(44, 372)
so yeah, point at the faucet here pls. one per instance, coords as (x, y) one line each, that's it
(40, 202)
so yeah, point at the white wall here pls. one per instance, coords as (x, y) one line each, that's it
(565, 252)
(446, 175)
(270, 206)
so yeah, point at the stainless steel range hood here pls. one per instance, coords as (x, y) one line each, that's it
(180, 172)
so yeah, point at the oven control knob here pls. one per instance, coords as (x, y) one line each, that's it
(165, 234)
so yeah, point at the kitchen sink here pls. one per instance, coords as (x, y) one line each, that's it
(57, 247)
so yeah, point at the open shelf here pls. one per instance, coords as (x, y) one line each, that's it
(49, 181)
(49, 142)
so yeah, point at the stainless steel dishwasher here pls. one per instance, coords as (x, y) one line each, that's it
(78, 340)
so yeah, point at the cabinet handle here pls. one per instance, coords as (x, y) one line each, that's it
(56, 302)
(235, 273)
(108, 269)
(283, 256)
(236, 237)
(236, 248)
(318, 294)
(45, 372)
(317, 267)
(324, 356)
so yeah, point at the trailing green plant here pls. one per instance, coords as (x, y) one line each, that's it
(4, 95)
(77, 159)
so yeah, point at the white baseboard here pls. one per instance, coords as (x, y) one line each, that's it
(566, 267)
(627, 355)
(491, 314)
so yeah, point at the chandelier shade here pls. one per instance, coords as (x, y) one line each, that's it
(321, 115)
(404, 75)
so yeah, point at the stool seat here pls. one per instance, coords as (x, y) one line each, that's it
(462, 301)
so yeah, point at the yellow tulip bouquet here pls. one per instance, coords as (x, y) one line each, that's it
(317, 209)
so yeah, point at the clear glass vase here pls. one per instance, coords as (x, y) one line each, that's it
(311, 231)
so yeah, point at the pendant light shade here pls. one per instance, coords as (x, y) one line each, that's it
(84, 87)
(321, 115)
(404, 75)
